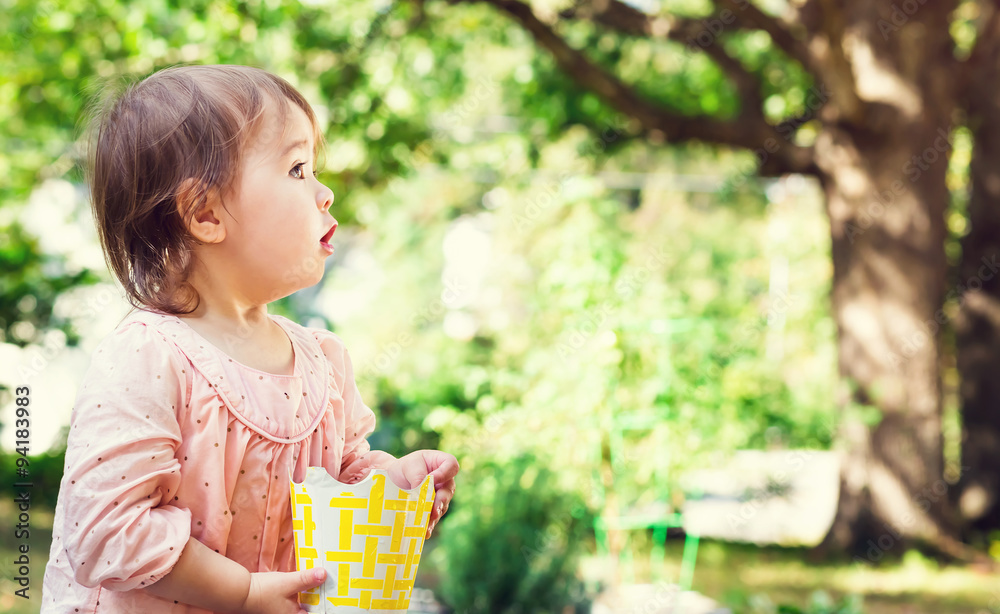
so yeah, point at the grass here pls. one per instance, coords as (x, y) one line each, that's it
(39, 541)
(742, 577)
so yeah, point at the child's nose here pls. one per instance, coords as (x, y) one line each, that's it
(325, 199)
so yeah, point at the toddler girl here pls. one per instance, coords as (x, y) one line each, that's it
(195, 410)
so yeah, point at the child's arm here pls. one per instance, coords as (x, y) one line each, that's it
(121, 473)
(206, 579)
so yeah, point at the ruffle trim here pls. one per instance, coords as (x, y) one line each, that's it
(313, 375)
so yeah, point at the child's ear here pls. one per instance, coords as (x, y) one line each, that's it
(201, 210)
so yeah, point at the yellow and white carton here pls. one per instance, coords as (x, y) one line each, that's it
(368, 536)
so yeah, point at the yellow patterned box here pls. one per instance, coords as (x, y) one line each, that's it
(368, 536)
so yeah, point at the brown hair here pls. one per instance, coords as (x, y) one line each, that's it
(182, 123)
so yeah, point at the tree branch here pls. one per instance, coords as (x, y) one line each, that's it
(828, 47)
(617, 16)
(747, 131)
(823, 56)
(623, 18)
(804, 20)
(824, 59)
(749, 16)
(746, 83)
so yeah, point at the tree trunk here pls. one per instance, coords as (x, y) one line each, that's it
(889, 271)
(883, 174)
(889, 83)
(978, 323)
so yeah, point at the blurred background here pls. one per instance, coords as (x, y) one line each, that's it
(701, 293)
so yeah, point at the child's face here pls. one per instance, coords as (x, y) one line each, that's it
(279, 238)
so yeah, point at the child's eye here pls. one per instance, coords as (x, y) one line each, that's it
(297, 171)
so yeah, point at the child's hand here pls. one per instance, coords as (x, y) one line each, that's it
(276, 592)
(410, 470)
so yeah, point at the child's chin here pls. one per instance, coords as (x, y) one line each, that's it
(308, 274)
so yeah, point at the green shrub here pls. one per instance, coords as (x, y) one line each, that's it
(819, 603)
(43, 472)
(822, 603)
(510, 542)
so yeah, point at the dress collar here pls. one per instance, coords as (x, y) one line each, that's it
(282, 408)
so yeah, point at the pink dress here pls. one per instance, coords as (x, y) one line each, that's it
(171, 438)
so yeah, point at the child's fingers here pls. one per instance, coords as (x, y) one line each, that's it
(440, 508)
(442, 499)
(308, 579)
(446, 470)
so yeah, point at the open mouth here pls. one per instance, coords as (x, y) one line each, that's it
(329, 234)
(324, 241)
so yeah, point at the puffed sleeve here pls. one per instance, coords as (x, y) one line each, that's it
(122, 532)
(359, 419)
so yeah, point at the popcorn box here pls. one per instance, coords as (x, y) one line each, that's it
(368, 536)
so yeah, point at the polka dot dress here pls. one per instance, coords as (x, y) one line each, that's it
(170, 438)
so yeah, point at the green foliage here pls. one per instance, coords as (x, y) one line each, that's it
(510, 542)
(30, 283)
(45, 474)
(503, 287)
(583, 310)
(820, 602)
